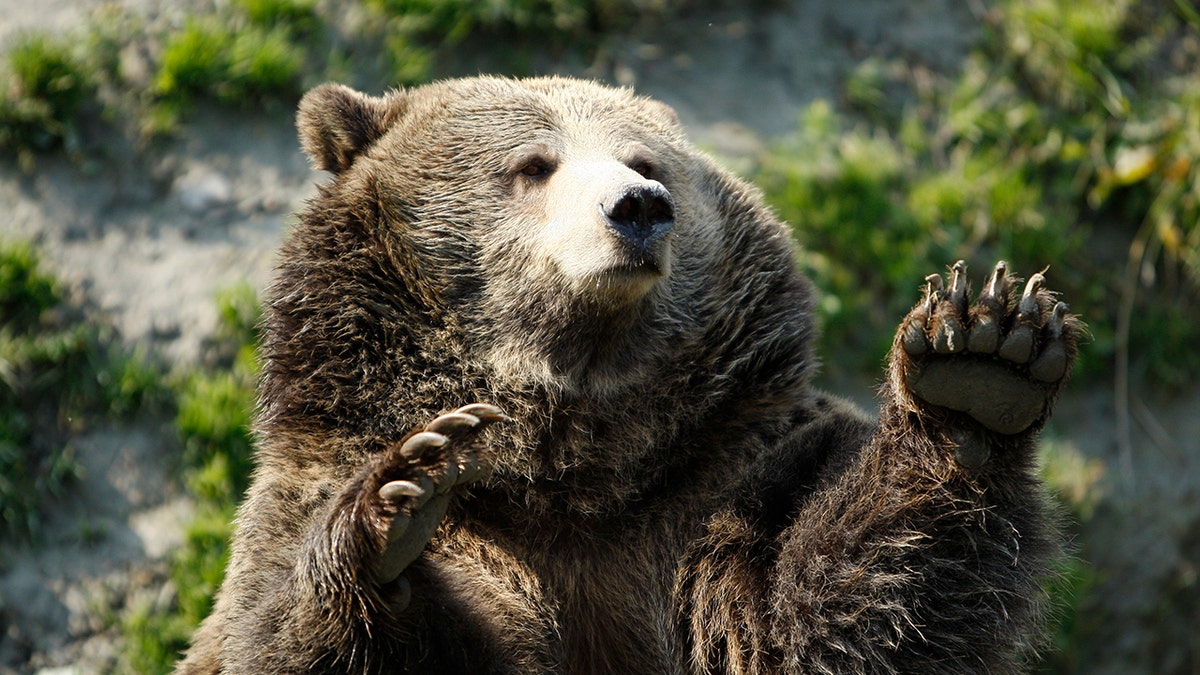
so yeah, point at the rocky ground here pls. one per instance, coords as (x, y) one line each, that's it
(147, 238)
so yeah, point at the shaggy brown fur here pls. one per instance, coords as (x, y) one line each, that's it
(668, 492)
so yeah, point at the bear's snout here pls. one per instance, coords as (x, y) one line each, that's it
(640, 214)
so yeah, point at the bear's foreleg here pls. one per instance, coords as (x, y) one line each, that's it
(339, 608)
(924, 550)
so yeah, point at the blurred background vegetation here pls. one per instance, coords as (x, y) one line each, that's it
(1070, 126)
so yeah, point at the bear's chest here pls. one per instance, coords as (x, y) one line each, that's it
(615, 612)
(603, 607)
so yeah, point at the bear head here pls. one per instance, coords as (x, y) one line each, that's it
(547, 214)
(587, 198)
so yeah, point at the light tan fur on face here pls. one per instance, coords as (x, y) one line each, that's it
(577, 238)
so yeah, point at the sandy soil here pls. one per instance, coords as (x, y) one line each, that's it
(148, 238)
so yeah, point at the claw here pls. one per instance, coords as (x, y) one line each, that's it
(1018, 346)
(394, 491)
(948, 335)
(934, 282)
(453, 423)
(1028, 308)
(933, 291)
(1058, 319)
(958, 287)
(997, 284)
(418, 443)
(985, 330)
(486, 413)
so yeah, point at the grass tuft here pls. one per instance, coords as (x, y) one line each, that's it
(42, 94)
(243, 67)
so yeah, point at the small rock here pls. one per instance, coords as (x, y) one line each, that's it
(61, 670)
(200, 190)
(134, 65)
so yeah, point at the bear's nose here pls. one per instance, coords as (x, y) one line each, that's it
(641, 213)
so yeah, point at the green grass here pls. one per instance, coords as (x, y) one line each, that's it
(58, 374)
(420, 34)
(299, 17)
(25, 291)
(156, 636)
(244, 65)
(247, 54)
(251, 53)
(44, 85)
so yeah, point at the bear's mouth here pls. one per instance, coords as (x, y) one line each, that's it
(645, 265)
(634, 273)
(641, 256)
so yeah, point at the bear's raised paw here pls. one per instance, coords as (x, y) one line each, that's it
(415, 482)
(1000, 361)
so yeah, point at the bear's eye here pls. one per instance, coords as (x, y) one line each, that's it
(535, 169)
(534, 166)
(533, 162)
(644, 169)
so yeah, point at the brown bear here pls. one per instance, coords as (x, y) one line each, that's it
(537, 398)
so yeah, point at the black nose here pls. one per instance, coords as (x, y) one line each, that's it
(641, 213)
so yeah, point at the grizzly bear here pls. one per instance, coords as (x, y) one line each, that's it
(537, 397)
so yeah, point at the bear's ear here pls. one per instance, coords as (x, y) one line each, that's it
(337, 123)
(665, 111)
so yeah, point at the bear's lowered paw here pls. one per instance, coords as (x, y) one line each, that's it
(414, 485)
(1000, 361)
